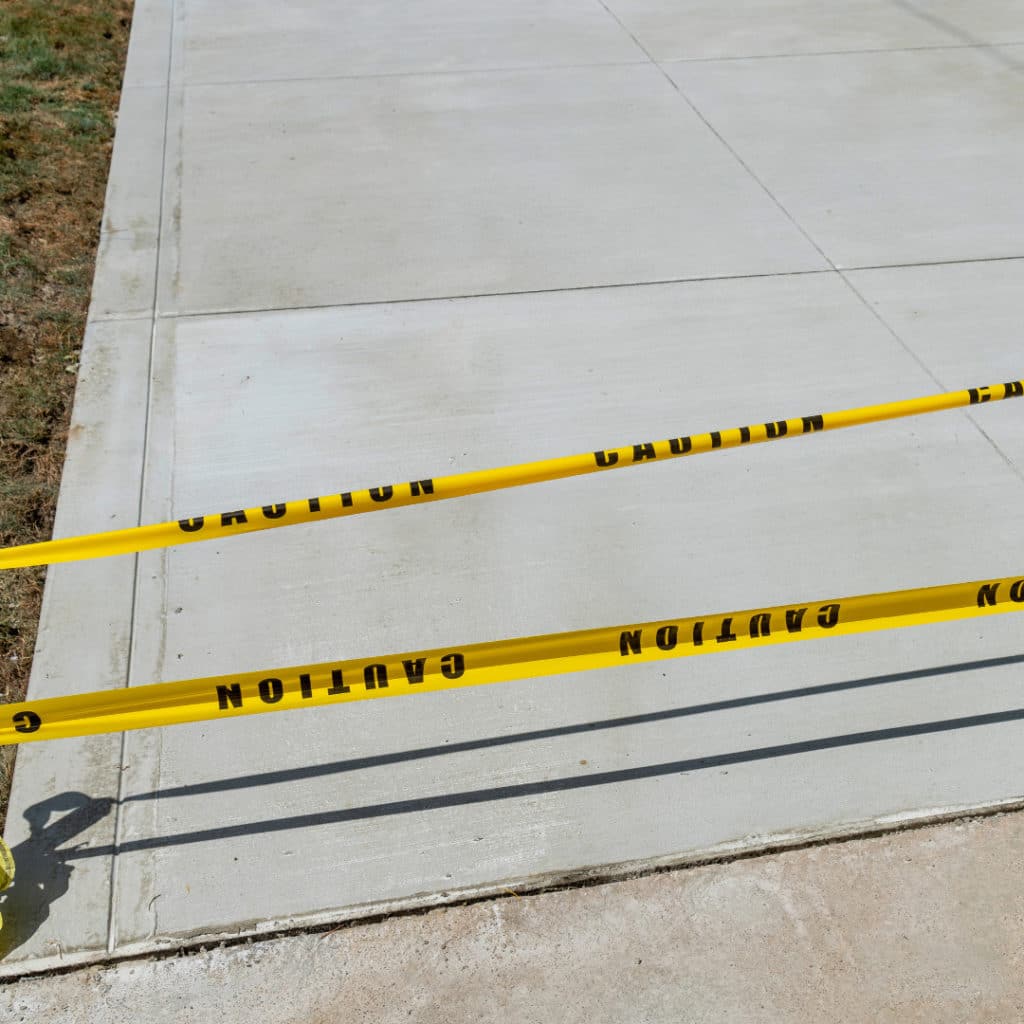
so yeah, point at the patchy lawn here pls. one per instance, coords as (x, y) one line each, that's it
(60, 79)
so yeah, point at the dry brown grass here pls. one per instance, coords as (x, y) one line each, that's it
(60, 78)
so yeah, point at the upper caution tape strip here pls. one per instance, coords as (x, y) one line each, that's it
(438, 488)
(445, 668)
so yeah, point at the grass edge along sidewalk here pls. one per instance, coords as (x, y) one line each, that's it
(61, 64)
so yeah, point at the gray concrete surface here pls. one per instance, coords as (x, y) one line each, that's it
(704, 29)
(322, 39)
(924, 927)
(601, 250)
(423, 186)
(877, 181)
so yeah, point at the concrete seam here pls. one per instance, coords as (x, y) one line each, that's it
(490, 295)
(112, 901)
(832, 53)
(526, 68)
(511, 69)
(193, 314)
(618, 21)
(118, 318)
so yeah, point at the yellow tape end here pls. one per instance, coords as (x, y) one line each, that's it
(6, 870)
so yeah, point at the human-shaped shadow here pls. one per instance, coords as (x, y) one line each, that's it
(42, 873)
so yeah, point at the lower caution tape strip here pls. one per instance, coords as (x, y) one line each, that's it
(439, 488)
(445, 668)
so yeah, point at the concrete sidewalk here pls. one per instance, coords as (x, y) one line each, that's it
(346, 245)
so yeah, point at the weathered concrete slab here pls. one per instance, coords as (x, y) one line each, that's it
(323, 39)
(922, 927)
(422, 186)
(883, 158)
(706, 30)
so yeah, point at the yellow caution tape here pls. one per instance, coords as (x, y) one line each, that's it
(445, 668)
(6, 870)
(415, 492)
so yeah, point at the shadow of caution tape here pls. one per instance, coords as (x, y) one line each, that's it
(446, 668)
(439, 488)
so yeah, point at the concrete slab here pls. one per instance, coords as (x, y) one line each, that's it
(922, 927)
(959, 319)
(883, 158)
(297, 818)
(149, 48)
(320, 38)
(124, 285)
(441, 185)
(706, 30)
(132, 204)
(985, 21)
